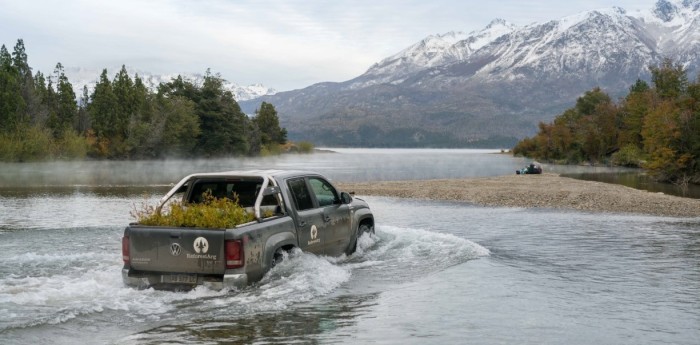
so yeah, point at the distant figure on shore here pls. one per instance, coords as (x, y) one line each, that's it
(533, 168)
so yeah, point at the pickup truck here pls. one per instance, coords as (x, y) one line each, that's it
(292, 209)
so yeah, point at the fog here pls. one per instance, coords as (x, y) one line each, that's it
(339, 164)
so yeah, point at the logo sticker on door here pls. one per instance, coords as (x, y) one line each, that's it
(313, 233)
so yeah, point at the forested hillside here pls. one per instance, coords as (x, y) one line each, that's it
(656, 127)
(41, 118)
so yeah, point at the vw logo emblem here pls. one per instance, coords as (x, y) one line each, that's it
(175, 249)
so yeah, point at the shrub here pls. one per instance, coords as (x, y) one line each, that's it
(271, 149)
(26, 143)
(72, 145)
(213, 212)
(305, 147)
(630, 156)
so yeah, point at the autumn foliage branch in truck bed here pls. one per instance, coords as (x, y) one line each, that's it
(215, 213)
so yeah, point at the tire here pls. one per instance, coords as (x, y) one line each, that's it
(363, 228)
(277, 257)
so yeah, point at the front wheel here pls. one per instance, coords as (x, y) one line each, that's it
(362, 229)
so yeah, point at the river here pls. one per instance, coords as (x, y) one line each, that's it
(434, 273)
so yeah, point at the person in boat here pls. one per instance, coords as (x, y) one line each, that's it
(533, 168)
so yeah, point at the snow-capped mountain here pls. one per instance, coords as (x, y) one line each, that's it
(492, 85)
(80, 77)
(432, 51)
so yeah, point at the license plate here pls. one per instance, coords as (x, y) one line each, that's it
(179, 278)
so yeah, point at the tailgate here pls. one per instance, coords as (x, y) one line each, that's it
(183, 250)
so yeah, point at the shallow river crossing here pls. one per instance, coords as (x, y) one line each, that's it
(435, 272)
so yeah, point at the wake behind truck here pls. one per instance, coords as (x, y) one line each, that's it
(292, 209)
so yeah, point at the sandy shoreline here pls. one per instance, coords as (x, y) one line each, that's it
(546, 190)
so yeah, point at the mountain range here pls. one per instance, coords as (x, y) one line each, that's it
(493, 86)
(80, 77)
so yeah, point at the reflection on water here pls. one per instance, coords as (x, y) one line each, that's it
(289, 326)
(638, 180)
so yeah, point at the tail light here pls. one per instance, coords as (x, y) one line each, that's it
(125, 250)
(234, 253)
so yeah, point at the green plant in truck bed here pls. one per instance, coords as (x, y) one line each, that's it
(217, 213)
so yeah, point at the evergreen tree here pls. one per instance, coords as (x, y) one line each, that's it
(40, 112)
(269, 125)
(179, 126)
(222, 121)
(83, 115)
(26, 81)
(64, 114)
(223, 125)
(12, 105)
(122, 87)
(102, 110)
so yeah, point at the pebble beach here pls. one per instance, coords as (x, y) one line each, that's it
(535, 191)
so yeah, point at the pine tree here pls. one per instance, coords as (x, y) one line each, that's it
(12, 105)
(66, 108)
(26, 81)
(122, 86)
(102, 110)
(83, 115)
(223, 125)
(269, 125)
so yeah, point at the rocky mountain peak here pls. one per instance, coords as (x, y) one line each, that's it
(493, 84)
(665, 10)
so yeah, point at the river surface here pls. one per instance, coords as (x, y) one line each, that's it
(434, 272)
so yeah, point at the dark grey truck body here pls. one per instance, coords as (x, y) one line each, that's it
(293, 209)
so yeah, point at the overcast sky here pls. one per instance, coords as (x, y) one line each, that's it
(282, 44)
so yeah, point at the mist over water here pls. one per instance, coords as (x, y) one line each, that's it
(339, 164)
(435, 272)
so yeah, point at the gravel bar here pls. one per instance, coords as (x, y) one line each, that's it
(546, 191)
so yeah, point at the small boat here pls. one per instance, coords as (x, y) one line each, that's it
(533, 168)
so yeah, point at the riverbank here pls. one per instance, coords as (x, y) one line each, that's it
(545, 190)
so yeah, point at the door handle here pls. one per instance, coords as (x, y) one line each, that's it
(327, 219)
(302, 223)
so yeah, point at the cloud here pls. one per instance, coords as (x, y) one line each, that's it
(284, 44)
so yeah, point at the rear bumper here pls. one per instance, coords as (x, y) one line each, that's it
(144, 280)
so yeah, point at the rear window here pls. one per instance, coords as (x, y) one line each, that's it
(243, 190)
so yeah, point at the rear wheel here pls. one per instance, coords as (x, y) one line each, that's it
(277, 257)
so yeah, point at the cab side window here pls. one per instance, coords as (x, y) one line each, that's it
(324, 191)
(300, 194)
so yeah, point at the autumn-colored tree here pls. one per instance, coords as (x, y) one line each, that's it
(656, 127)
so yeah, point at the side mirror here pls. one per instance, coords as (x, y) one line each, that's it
(345, 198)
